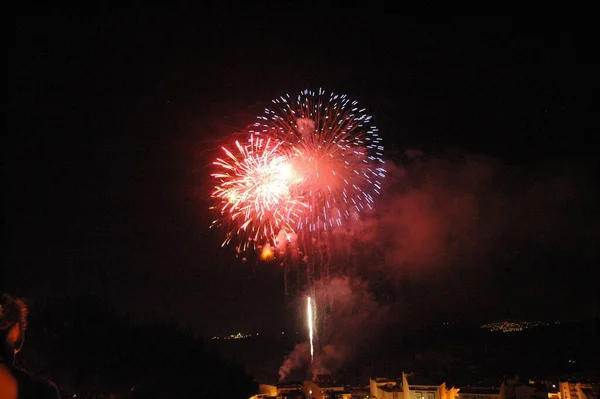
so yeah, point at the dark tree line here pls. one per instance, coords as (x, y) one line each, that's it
(90, 351)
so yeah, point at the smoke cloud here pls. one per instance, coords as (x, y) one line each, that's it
(454, 228)
(299, 358)
(347, 314)
(461, 237)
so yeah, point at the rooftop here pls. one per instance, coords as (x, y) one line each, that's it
(325, 380)
(383, 379)
(479, 390)
(391, 388)
(290, 385)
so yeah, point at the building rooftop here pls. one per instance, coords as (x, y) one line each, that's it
(384, 379)
(479, 390)
(325, 380)
(391, 388)
(290, 385)
(485, 383)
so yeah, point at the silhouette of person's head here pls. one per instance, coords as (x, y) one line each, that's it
(13, 322)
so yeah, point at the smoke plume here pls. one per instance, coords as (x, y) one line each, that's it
(450, 237)
(347, 314)
(453, 228)
(299, 358)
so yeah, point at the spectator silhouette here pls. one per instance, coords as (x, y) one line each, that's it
(14, 382)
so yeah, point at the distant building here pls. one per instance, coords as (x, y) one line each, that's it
(527, 391)
(323, 388)
(290, 391)
(410, 386)
(419, 388)
(384, 388)
(328, 391)
(482, 392)
(576, 390)
(535, 389)
(266, 391)
(359, 392)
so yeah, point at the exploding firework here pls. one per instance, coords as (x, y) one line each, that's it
(311, 162)
(336, 151)
(253, 191)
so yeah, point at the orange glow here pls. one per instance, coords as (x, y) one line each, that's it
(267, 253)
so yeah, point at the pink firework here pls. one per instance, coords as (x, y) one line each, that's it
(254, 191)
(336, 152)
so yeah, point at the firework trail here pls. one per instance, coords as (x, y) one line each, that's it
(310, 319)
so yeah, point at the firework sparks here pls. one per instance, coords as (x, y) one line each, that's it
(253, 193)
(311, 162)
(335, 149)
(309, 320)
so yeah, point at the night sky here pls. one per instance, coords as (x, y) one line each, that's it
(490, 212)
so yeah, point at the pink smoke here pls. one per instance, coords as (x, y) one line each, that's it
(297, 359)
(346, 316)
(447, 230)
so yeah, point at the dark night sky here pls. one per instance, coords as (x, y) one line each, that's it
(112, 121)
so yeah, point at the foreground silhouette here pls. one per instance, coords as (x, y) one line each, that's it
(14, 382)
(90, 350)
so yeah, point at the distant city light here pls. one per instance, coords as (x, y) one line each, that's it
(236, 336)
(514, 326)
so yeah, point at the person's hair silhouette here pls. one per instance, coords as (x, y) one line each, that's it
(14, 382)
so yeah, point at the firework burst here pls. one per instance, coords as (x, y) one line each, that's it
(253, 193)
(335, 149)
(311, 162)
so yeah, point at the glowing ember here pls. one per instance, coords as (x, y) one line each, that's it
(266, 254)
